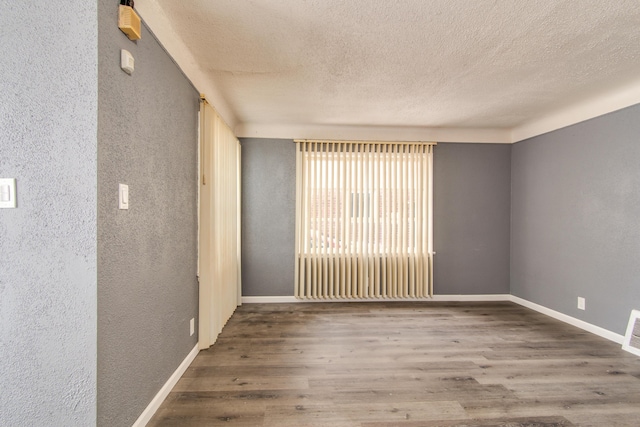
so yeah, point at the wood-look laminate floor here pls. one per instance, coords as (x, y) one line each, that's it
(407, 365)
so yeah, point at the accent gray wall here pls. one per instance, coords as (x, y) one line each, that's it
(471, 218)
(268, 216)
(471, 223)
(147, 286)
(575, 219)
(48, 110)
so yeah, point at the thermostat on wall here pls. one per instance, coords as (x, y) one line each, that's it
(126, 61)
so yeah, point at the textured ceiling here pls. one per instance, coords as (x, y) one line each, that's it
(458, 64)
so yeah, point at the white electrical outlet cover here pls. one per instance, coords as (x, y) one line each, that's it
(581, 303)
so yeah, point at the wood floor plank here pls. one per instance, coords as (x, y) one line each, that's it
(212, 383)
(512, 422)
(355, 413)
(404, 364)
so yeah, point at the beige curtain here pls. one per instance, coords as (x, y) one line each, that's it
(364, 220)
(219, 235)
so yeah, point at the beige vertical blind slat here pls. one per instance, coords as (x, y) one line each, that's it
(219, 250)
(348, 209)
(429, 213)
(394, 229)
(325, 220)
(344, 274)
(363, 220)
(331, 219)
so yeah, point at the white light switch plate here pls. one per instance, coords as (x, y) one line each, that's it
(7, 193)
(127, 62)
(123, 196)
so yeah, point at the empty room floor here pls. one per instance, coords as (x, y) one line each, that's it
(404, 364)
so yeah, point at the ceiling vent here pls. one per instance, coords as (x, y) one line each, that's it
(632, 337)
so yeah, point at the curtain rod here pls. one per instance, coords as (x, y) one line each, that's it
(329, 141)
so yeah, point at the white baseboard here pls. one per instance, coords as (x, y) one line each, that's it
(291, 299)
(612, 336)
(488, 297)
(151, 409)
(269, 300)
(604, 333)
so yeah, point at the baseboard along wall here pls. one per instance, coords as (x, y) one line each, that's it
(150, 410)
(148, 413)
(292, 299)
(612, 336)
(597, 330)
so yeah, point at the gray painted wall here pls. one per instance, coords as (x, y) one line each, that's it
(471, 223)
(147, 286)
(575, 219)
(268, 216)
(471, 218)
(48, 244)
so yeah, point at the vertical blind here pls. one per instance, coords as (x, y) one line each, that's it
(219, 239)
(363, 220)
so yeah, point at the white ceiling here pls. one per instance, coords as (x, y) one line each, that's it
(457, 70)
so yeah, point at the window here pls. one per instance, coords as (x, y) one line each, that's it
(363, 219)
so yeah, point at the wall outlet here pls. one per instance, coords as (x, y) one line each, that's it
(581, 303)
(192, 326)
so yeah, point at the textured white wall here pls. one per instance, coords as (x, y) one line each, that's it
(48, 142)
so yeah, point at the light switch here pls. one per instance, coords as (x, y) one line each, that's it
(7, 192)
(127, 62)
(123, 196)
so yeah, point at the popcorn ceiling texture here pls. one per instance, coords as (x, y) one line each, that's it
(48, 282)
(437, 63)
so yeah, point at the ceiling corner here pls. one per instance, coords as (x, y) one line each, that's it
(613, 100)
(159, 23)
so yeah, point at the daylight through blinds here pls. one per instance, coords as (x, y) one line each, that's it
(363, 220)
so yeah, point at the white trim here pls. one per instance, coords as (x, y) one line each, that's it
(598, 106)
(471, 298)
(372, 133)
(269, 300)
(626, 345)
(606, 103)
(292, 299)
(597, 330)
(609, 102)
(155, 403)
